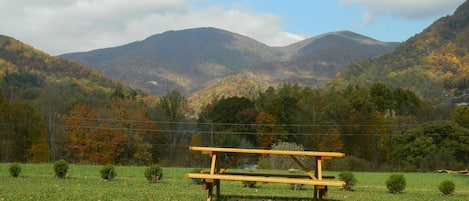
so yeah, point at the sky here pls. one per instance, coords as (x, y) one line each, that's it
(64, 26)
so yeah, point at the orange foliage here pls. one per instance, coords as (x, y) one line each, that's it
(105, 145)
(331, 141)
(268, 133)
(38, 153)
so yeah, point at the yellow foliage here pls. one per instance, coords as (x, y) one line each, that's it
(38, 153)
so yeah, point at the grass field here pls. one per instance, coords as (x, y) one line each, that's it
(37, 182)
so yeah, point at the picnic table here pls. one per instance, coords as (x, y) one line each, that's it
(217, 172)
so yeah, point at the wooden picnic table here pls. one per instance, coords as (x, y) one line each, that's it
(212, 178)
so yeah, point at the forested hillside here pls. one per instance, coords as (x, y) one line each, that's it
(31, 76)
(434, 63)
(44, 98)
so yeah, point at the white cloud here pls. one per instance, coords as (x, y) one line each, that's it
(407, 9)
(79, 25)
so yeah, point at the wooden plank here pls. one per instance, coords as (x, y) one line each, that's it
(264, 174)
(267, 179)
(319, 167)
(267, 152)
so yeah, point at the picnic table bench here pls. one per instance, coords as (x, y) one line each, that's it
(217, 173)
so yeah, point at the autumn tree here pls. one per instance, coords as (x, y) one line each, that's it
(140, 132)
(79, 124)
(331, 141)
(268, 132)
(105, 145)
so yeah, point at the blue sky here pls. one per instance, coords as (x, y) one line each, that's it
(58, 27)
(314, 17)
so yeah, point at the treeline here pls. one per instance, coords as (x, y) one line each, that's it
(388, 127)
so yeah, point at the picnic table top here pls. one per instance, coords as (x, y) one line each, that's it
(208, 150)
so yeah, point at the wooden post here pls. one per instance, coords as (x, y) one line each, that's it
(210, 191)
(217, 169)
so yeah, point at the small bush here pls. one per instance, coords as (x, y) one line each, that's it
(396, 183)
(154, 173)
(61, 168)
(349, 179)
(447, 187)
(15, 169)
(108, 172)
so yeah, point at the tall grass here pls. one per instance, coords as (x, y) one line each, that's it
(37, 182)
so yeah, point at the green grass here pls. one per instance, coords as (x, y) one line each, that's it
(37, 182)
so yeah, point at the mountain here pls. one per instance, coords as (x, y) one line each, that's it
(193, 59)
(52, 84)
(433, 63)
(329, 53)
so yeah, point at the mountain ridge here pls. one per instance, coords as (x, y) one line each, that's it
(189, 60)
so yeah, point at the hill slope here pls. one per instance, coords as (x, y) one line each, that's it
(50, 83)
(191, 60)
(434, 63)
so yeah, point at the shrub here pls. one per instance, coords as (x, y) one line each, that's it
(447, 187)
(349, 179)
(108, 172)
(396, 183)
(61, 168)
(15, 169)
(286, 162)
(154, 173)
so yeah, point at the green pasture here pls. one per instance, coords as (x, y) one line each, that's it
(37, 182)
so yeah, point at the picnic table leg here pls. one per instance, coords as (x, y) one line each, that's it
(217, 169)
(315, 196)
(318, 174)
(210, 191)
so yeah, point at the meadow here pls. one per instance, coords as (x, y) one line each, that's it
(37, 182)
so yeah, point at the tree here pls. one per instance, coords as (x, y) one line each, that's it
(267, 130)
(405, 102)
(331, 141)
(105, 145)
(79, 124)
(233, 114)
(381, 97)
(461, 116)
(22, 129)
(172, 108)
(139, 131)
(433, 137)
